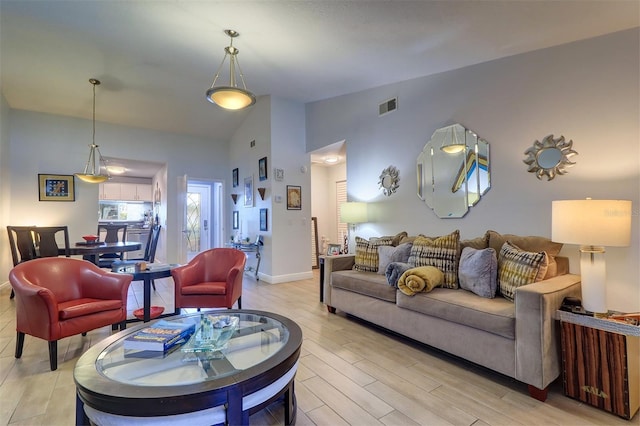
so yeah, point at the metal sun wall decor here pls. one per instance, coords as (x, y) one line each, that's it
(389, 180)
(549, 157)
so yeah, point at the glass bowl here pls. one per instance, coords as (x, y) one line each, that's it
(214, 333)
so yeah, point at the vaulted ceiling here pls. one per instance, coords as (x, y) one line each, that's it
(157, 58)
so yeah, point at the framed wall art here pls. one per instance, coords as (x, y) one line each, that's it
(56, 187)
(236, 219)
(263, 219)
(248, 191)
(294, 197)
(262, 168)
(234, 175)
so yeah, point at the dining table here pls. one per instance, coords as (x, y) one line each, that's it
(91, 251)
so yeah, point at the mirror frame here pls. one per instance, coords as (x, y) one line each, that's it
(394, 175)
(548, 143)
(452, 182)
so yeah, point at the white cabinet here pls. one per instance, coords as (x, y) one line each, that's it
(125, 192)
(109, 191)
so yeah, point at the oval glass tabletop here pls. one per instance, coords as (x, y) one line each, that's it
(255, 339)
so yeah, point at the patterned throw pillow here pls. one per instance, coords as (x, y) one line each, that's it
(367, 259)
(441, 252)
(517, 268)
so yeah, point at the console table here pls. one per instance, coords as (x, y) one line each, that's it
(249, 248)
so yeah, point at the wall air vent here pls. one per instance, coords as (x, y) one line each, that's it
(387, 106)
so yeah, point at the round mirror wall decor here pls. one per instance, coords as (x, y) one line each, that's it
(389, 180)
(549, 157)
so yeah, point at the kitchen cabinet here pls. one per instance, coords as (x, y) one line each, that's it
(125, 192)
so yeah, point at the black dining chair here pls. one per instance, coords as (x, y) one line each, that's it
(21, 245)
(32, 242)
(115, 233)
(149, 252)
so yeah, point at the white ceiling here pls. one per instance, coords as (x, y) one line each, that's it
(157, 58)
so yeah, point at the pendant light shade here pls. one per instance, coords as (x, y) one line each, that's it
(452, 145)
(95, 163)
(231, 96)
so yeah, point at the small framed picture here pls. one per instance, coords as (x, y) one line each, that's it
(248, 191)
(56, 188)
(278, 174)
(262, 168)
(234, 175)
(294, 197)
(236, 219)
(263, 219)
(333, 249)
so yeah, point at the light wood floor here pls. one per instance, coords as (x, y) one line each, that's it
(349, 373)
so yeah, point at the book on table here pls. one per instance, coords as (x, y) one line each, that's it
(161, 336)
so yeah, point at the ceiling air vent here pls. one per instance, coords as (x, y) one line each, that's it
(388, 106)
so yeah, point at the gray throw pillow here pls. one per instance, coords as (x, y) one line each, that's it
(388, 254)
(478, 271)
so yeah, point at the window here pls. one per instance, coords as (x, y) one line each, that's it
(341, 197)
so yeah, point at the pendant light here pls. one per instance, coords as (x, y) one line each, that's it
(231, 96)
(95, 162)
(453, 146)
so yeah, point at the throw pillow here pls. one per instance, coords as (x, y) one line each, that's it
(478, 271)
(529, 243)
(517, 268)
(441, 252)
(387, 254)
(367, 253)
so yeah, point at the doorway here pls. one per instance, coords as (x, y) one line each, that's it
(204, 224)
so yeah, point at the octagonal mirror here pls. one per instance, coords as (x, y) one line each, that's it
(453, 171)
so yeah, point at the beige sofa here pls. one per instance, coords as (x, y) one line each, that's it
(518, 339)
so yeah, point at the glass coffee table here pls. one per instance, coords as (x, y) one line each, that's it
(226, 386)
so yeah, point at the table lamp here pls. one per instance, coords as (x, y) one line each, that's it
(353, 213)
(593, 224)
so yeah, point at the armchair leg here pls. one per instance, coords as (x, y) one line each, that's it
(12, 295)
(123, 325)
(84, 334)
(240, 302)
(19, 344)
(153, 284)
(53, 355)
(539, 394)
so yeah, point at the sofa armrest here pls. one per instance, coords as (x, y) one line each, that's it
(537, 341)
(342, 262)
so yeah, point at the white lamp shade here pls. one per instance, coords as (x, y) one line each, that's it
(592, 222)
(353, 212)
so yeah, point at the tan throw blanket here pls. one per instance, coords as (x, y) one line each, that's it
(423, 278)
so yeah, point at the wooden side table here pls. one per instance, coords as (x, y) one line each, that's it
(601, 362)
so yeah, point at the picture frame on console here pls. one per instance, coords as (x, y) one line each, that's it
(333, 249)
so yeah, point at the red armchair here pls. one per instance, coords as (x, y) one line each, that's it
(213, 279)
(58, 297)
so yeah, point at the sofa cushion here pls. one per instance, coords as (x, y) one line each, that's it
(495, 316)
(517, 268)
(395, 239)
(441, 252)
(478, 271)
(387, 254)
(530, 243)
(367, 283)
(367, 253)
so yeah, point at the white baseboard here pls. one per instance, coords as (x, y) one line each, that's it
(285, 278)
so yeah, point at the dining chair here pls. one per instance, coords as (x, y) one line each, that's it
(114, 233)
(58, 297)
(149, 252)
(21, 245)
(212, 279)
(31, 242)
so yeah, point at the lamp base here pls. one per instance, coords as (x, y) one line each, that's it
(594, 275)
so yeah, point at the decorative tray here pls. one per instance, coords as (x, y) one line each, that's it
(214, 333)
